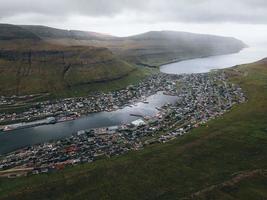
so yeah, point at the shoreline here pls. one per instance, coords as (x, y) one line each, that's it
(187, 59)
(174, 120)
(140, 100)
(73, 117)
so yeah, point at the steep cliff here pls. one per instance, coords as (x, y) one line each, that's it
(48, 68)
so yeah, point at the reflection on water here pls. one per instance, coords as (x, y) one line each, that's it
(19, 138)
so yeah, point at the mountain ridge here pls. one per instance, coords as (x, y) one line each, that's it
(153, 48)
(42, 48)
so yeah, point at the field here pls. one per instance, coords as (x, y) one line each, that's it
(227, 159)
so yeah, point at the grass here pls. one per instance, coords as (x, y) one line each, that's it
(254, 187)
(83, 90)
(207, 156)
(53, 69)
(132, 78)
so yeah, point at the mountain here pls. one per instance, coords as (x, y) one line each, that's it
(53, 33)
(13, 32)
(49, 68)
(160, 47)
(149, 49)
(37, 59)
(28, 64)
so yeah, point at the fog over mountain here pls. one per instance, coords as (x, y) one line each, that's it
(183, 10)
(227, 17)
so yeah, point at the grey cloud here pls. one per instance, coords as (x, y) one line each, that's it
(67, 7)
(200, 11)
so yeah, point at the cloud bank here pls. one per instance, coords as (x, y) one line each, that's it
(189, 11)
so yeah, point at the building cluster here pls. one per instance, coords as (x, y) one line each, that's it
(17, 100)
(201, 97)
(72, 108)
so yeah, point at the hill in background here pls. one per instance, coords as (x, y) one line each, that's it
(28, 64)
(36, 59)
(149, 49)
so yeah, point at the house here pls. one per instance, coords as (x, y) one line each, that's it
(138, 122)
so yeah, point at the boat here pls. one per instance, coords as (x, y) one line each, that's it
(23, 125)
(136, 115)
(147, 118)
(158, 108)
(67, 118)
(7, 128)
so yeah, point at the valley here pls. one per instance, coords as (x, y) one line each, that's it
(38, 59)
(68, 75)
(133, 100)
(239, 137)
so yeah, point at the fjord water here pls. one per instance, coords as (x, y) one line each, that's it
(202, 65)
(13, 140)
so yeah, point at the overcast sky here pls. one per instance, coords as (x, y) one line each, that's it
(246, 19)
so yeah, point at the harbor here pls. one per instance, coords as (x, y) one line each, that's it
(49, 120)
(199, 98)
(165, 107)
(12, 140)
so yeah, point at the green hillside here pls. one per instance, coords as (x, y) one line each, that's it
(48, 32)
(12, 32)
(50, 68)
(148, 49)
(28, 64)
(160, 47)
(36, 59)
(225, 160)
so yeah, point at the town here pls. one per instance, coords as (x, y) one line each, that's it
(201, 97)
(72, 108)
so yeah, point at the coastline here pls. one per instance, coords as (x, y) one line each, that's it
(57, 120)
(192, 58)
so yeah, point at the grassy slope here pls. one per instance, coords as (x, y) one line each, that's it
(83, 90)
(56, 68)
(133, 77)
(207, 156)
(34, 59)
(159, 47)
(153, 48)
(28, 64)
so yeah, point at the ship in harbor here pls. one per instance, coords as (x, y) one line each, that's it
(136, 115)
(67, 118)
(49, 120)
